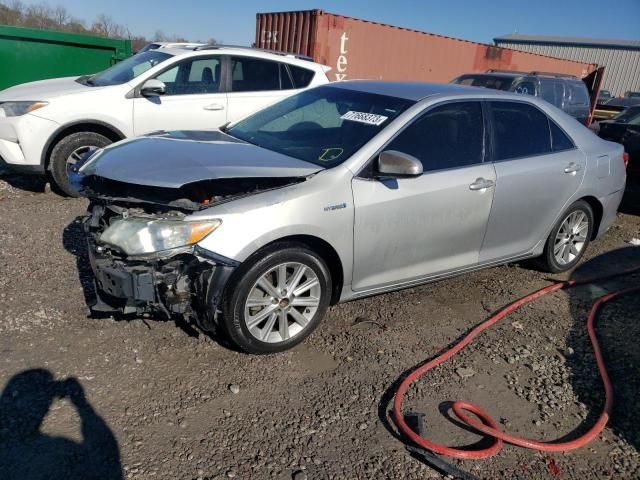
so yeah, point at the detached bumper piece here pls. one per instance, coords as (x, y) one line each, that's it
(188, 284)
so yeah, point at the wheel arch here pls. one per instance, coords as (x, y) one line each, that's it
(598, 211)
(94, 126)
(322, 248)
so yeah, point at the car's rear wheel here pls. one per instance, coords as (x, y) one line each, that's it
(68, 152)
(568, 239)
(277, 299)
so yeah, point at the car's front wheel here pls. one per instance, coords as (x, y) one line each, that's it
(275, 300)
(68, 152)
(568, 239)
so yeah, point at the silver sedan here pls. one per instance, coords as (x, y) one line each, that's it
(340, 192)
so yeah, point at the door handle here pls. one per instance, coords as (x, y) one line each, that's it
(572, 168)
(214, 107)
(481, 184)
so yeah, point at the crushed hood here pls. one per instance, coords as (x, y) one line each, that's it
(174, 159)
(44, 90)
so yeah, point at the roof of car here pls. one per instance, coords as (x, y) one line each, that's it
(248, 51)
(411, 90)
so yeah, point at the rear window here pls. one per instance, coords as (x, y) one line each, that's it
(552, 92)
(253, 74)
(519, 130)
(301, 76)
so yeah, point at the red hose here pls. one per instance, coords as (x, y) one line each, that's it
(486, 425)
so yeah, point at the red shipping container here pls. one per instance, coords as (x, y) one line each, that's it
(360, 49)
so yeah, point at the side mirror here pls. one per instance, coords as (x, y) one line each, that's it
(153, 88)
(398, 164)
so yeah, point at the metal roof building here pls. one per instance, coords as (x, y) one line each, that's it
(620, 57)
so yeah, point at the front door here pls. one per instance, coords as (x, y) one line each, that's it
(409, 228)
(538, 170)
(194, 99)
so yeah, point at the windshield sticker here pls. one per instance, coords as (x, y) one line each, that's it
(330, 154)
(362, 117)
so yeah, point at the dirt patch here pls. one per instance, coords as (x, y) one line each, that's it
(163, 393)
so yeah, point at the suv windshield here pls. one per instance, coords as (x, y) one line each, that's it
(324, 126)
(128, 69)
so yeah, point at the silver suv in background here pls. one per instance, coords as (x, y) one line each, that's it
(566, 92)
(340, 192)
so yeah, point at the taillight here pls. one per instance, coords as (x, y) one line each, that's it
(625, 159)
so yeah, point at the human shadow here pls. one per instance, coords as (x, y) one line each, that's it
(617, 329)
(28, 453)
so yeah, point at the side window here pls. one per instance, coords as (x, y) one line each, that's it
(301, 76)
(254, 74)
(448, 136)
(168, 76)
(559, 140)
(196, 76)
(579, 94)
(519, 130)
(552, 92)
(285, 79)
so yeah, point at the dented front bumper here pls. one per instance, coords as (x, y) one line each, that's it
(188, 282)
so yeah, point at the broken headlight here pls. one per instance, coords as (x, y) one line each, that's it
(137, 236)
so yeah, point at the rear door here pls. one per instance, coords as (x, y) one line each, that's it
(538, 170)
(408, 228)
(256, 83)
(194, 98)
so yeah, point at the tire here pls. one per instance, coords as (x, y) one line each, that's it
(70, 148)
(259, 328)
(558, 255)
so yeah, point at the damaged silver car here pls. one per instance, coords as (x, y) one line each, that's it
(340, 192)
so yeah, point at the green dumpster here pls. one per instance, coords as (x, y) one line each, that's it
(28, 54)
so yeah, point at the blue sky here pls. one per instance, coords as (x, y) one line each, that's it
(234, 21)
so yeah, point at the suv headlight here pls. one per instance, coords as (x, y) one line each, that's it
(137, 236)
(15, 109)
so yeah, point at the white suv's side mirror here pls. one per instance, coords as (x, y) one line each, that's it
(153, 88)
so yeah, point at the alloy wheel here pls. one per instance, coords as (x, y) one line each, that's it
(571, 237)
(282, 302)
(77, 155)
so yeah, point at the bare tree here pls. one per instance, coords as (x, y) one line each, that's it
(60, 16)
(38, 16)
(159, 36)
(14, 12)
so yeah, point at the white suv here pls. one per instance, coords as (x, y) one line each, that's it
(49, 125)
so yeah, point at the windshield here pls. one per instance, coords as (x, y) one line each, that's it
(128, 69)
(324, 126)
(494, 82)
(630, 115)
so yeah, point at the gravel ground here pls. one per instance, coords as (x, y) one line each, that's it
(104, 398)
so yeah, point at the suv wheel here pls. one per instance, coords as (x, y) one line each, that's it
(276, 300)
(568, 239)
(68, 152)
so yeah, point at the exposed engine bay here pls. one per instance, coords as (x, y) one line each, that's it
(187, 281)
(189, 197)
